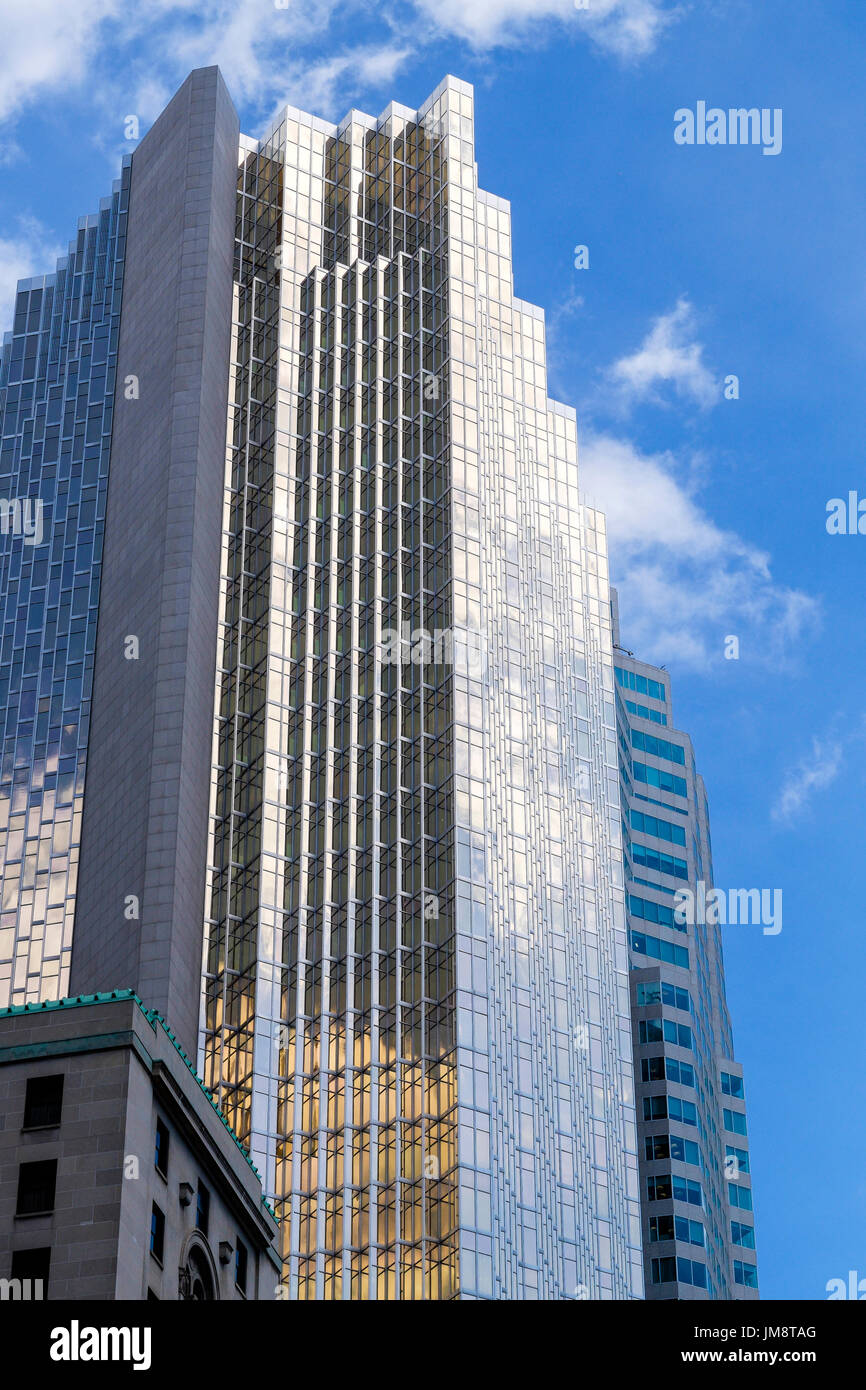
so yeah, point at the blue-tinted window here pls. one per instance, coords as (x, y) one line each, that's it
(682, 1110)
(160, 1148)
(740, 1196)
(740, 1156)
(241, 1262)
(691, 1272)
(652, 1030)
(645, 945)
(658, 913)
(691, 1232)
(662, 1187)
(735, 1121)
(676, 997)
(663, 1271)
(157, 1232)
(685, 1190)
(685, 1150)
(641, 684)
(656, 859)
(644, 712)
(741, 1234)
(732, 1085)
(658, 747)
(657, 777)
(662, 829)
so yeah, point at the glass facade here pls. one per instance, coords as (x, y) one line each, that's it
(445, 1000)
(57, 369)
(691, 1174)
(416, 993)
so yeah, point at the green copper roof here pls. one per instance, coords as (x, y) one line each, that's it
(153, 1017)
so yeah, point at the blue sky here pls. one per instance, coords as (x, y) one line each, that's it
(705, 261)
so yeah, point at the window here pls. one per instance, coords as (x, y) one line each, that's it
(682, 1110)
(160, 1148)
(744, 1274)
(687, 1191)
(663, 1271)
(645, 945)
(662, 829)
(662, 863)
(654, 912)
(688, 1231)
(678, 1033)
(202, 1208)
(660, 992)
(649, 992)
(743, 1235)
(677, 998)
(652, 1030)
(32, 1264)
(685, 1151)
(658, 747)
(692, 1272)
(661, 1228)
(36, 1184)
(732, 1085)
(43, 1101)
(241, 1265)
(157, 1232)
(672, 1146)
(664, 1186)
(659, 1187)
(683, 1073)
(652, 1069)
(644, 712)
(629, 680)
(736, 1161)
(657, 777)
(740, 1196)
(735, 1121)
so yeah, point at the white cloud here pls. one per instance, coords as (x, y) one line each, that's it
(631, 28)
(32, 252)
(810, 775)
(133, 57)
(122, 52)
(327, 87)
(47, 44)
(628, 28)
(669, 353)
(684, 583)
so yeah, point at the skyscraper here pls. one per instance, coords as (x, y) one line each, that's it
(354, 715)
(696, 1186)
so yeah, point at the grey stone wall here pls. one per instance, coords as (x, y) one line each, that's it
(144, 832)
(120, 1073)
